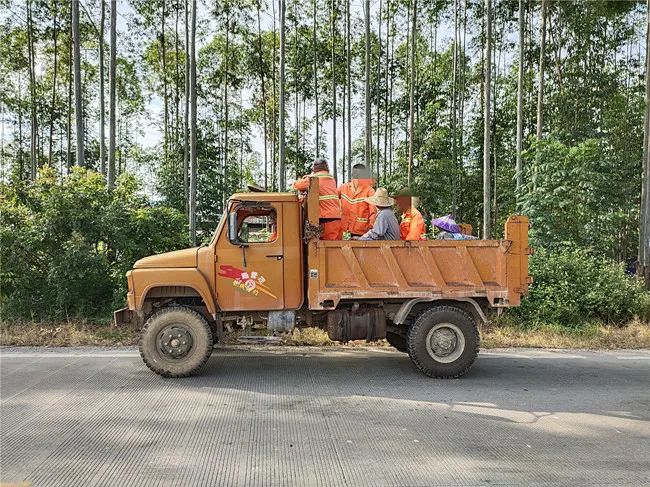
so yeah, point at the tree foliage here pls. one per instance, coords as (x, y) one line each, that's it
(65, 245)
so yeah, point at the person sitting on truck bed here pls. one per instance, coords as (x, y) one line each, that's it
(412, 226)
(450, 230)
(358, 215)
(385, 226)
(328, 198)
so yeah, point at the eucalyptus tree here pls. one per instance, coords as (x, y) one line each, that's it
(112, 75)
(193, 128)
(487, 73)
(520, 99)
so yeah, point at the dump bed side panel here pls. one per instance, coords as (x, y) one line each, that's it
(397, 269)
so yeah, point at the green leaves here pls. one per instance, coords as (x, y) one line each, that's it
(66, 245)
(572, 288)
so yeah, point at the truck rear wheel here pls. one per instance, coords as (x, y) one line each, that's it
(443, 342)
(175, 342)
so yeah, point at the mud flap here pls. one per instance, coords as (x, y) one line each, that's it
(123, 316)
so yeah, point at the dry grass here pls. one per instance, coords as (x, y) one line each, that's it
(636, 334)
(65, 334)
(501, 335)
(314, 337)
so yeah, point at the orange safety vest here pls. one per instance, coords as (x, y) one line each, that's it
(328, 196)
(358, 215)
(412, 226)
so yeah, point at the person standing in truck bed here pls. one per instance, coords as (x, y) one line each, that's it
(328, 199)
(412, 226)
(385, 226)
(358, 214)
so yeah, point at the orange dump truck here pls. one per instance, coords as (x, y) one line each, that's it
(266, 267)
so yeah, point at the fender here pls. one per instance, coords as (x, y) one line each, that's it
(405, 309)
(145, 280)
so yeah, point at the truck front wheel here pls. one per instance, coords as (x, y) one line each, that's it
(175, 342)
(443, 342)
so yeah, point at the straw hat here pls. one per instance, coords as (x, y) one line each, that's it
(381, 198)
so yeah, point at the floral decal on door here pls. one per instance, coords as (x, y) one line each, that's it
(252, 283)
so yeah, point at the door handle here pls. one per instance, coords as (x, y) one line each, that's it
(276, 256)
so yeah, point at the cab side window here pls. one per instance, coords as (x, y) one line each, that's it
(258, 227)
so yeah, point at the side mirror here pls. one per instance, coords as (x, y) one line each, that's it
(233, 236)
(232, 228)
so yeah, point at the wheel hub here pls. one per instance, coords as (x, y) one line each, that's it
(175, 341)
(445, 342)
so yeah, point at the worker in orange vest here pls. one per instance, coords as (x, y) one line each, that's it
(328, 198)
(412, 226)
(358, 214)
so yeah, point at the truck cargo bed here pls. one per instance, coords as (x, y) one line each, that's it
(393, 269)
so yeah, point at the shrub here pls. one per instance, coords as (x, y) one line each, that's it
(66, 244)
(572, 288)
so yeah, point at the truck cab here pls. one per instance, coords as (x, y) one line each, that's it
(266, 267)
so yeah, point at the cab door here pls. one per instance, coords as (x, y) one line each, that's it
(250, 264)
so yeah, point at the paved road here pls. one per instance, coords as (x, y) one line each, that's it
(314, 417)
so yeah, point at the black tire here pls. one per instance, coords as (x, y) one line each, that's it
(398, 341)
(425, 349)
(188, 330)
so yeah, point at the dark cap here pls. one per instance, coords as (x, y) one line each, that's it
(359, 171)
(320, 165)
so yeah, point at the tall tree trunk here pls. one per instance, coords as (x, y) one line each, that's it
(263, 88)
(412, 91)
(368, 129)
(644, 223)
(281, 169)
(177, 95)
(2, 141)
(540, 89)
(461, 123)
(241, 140)
(333, 65)
(78, 110)
(315, 54)
(274, 120)
(102, 106)
(32, 92)
(386, 70)
(54, 75)
(112, 66)
(486, 120)
(348, 84)
(390, 97)
(69, 121)
(163, 54)
(344, 161)
(296, 100)
(520, 103)
(21, 165)
(226, 122)
(453, 118)
(186, 142)
(378, 152)
(193, 168)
